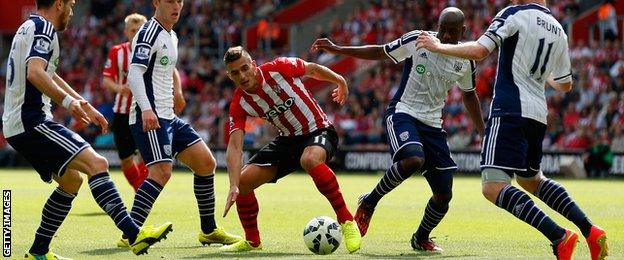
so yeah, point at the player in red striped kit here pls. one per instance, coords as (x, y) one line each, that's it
(274, 91)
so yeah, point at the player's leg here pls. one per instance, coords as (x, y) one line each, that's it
(319, 148)
(408, 157)
(504, 152)
(156, 150)
(252, 176)
(407, 154)
(55, 210)
(126, 150)
(556, 196)
(196, 155)
(441, 183)
(439, 174)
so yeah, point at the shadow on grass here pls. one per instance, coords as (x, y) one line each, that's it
(105, 251)
(91, 214)
(246, 255)
(415, 255)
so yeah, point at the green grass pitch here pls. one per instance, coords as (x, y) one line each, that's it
(473, 228)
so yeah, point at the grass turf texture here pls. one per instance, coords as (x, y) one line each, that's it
(473, 228)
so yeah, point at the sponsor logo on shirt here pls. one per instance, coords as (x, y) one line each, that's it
(164, 60)
(420, 69)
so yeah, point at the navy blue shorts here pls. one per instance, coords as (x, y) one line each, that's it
(514, 145)
(49, 147)
(405, 130)
(164, 144)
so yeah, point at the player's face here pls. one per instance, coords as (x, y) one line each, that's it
(132, 29)
(450, 33)
(67, 11)
(242, 72)
(168, 10)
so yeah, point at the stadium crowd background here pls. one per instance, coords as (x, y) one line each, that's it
(593, 113)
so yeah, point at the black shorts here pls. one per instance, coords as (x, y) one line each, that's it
(285, 152)
(123, 137)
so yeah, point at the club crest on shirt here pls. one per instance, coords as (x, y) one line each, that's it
(457, 66)
(404, 136)
(423, 55)
(167, 149)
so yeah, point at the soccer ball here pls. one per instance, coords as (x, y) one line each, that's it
(322, 235)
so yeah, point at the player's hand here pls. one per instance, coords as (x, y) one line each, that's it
(124, 90)
(150, 121)
(178, 104)
(76, 111)
(340, 93)
(232, 195)
(95, 116)
(428, 42)
(324, 44)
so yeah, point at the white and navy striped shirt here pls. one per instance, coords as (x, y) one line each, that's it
(427, 78)
(24, 105)
(157, 50)
(532, 46)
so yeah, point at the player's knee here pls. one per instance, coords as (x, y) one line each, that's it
(412, 164)
(529, 184)
(97, 164)
(443, 199)
(71, 182)
(490, 191)
(309, 161)
(160, 172)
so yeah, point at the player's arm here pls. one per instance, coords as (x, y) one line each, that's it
(37, 75)
(320, 72)
(367, 52)
(94, 116)
(561, 77)
(178, 97)
(112, 86)
(471, 102)
(467, 83)
(565, 87)
(469, 50)
(234, 160)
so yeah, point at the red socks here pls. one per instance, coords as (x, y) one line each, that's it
(325, 181)
(247, 207)
(136, 174)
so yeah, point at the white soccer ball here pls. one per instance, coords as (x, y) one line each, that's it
(322, 235)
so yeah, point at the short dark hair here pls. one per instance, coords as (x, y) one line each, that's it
(234, 53)
(44, 4)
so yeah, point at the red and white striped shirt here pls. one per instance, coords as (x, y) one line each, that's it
(281, 99)
(116, 68)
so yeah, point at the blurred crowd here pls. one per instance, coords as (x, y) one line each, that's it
(590, 114)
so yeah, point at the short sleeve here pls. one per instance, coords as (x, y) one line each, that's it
(42, 39)
(563, 71)
(503, 26)
(403, 47)
(291, 67)
(110, 67)
(238, 116)
(467, 81)
(143, 44)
